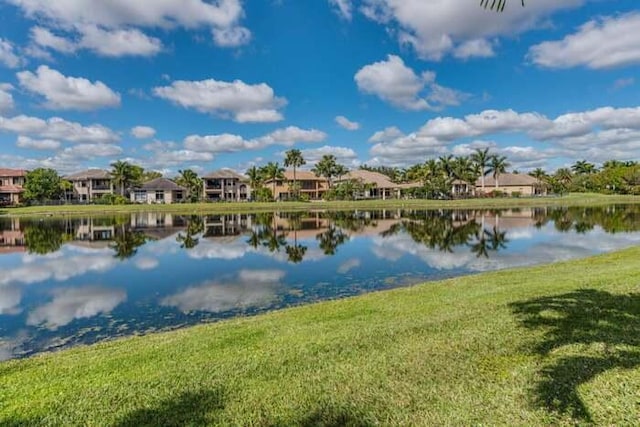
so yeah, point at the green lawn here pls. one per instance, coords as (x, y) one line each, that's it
(549, 345)
(201, 208)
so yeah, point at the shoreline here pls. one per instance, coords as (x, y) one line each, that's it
(577, 199)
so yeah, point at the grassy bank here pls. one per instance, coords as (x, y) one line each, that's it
(556, 344)
(203, 208)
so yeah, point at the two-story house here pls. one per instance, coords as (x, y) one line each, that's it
(225, 185)
(90, 184)
(310, 185)
(12, 186)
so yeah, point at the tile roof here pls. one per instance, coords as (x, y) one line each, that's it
(508, 180)
(11, 189)
(161, 184)
(10, 173)
(224, 174)
(89, 174)
(369, 177)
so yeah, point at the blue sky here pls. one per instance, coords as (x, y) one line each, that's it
(177, 84)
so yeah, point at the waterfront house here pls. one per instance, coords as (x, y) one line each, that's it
(512, 183)
(377, 185)
(12, 186)
(311, 186)
(225, 185)
(159, 190)
(90, 185)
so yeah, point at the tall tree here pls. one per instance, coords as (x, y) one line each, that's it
(293, 158)
(582, 167)
(482, 158)
(43, 184)
(122, 174)
(192, 182)
(273, 172)
(255, 177)
(327, 167)
(498, 165)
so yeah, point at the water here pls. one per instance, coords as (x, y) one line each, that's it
(74, 281)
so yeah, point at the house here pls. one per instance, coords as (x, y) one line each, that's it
(460, 188)
(159, 190)
(11, 186)
(225, 184)
(378, 186)
(510, 183)
(311, 186)
(90, 185)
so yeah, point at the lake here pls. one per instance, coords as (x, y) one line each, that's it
(71, 281)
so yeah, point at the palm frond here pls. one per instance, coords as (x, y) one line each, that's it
(497, 5)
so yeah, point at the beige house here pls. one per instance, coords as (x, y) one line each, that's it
(225, 184)
(379, 186)
(90, 184)
(510, 183)
(159, 190)
(311, 186)
(11, 186)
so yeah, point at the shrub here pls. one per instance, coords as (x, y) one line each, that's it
(112, 199)
(516, 194)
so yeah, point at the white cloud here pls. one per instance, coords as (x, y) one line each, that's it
(231, 37)
(603, 43)
(58, 129)
(143, 132)
(387, 134)
(477, 48)
(344, 8)
(437, 28)
(76, 303)
(90, 151)
(115, 23)
(37, 144)
(343, 155)
(347, 124)
(252, 288)
(393, 82)
(229, 143)
(7, 54)
(236, 100)
(44, 38)
(598, 134)
(116, 43)
(68, 93)
(6, 99)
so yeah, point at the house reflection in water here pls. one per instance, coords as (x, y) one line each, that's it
(11, 236)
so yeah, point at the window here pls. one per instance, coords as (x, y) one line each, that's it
(159, 195)
(140, 196)
(179, 195)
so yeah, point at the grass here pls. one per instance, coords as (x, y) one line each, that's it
(578, 199)
(548, 345)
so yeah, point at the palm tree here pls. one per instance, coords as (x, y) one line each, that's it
(294, 159)
(272, 171)
(122, 174)
(498, 165)
(582, 167)
(192, 182)
(538, 173)
(446, 164)
(255, 177)
(326, 167)
(482, 158)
